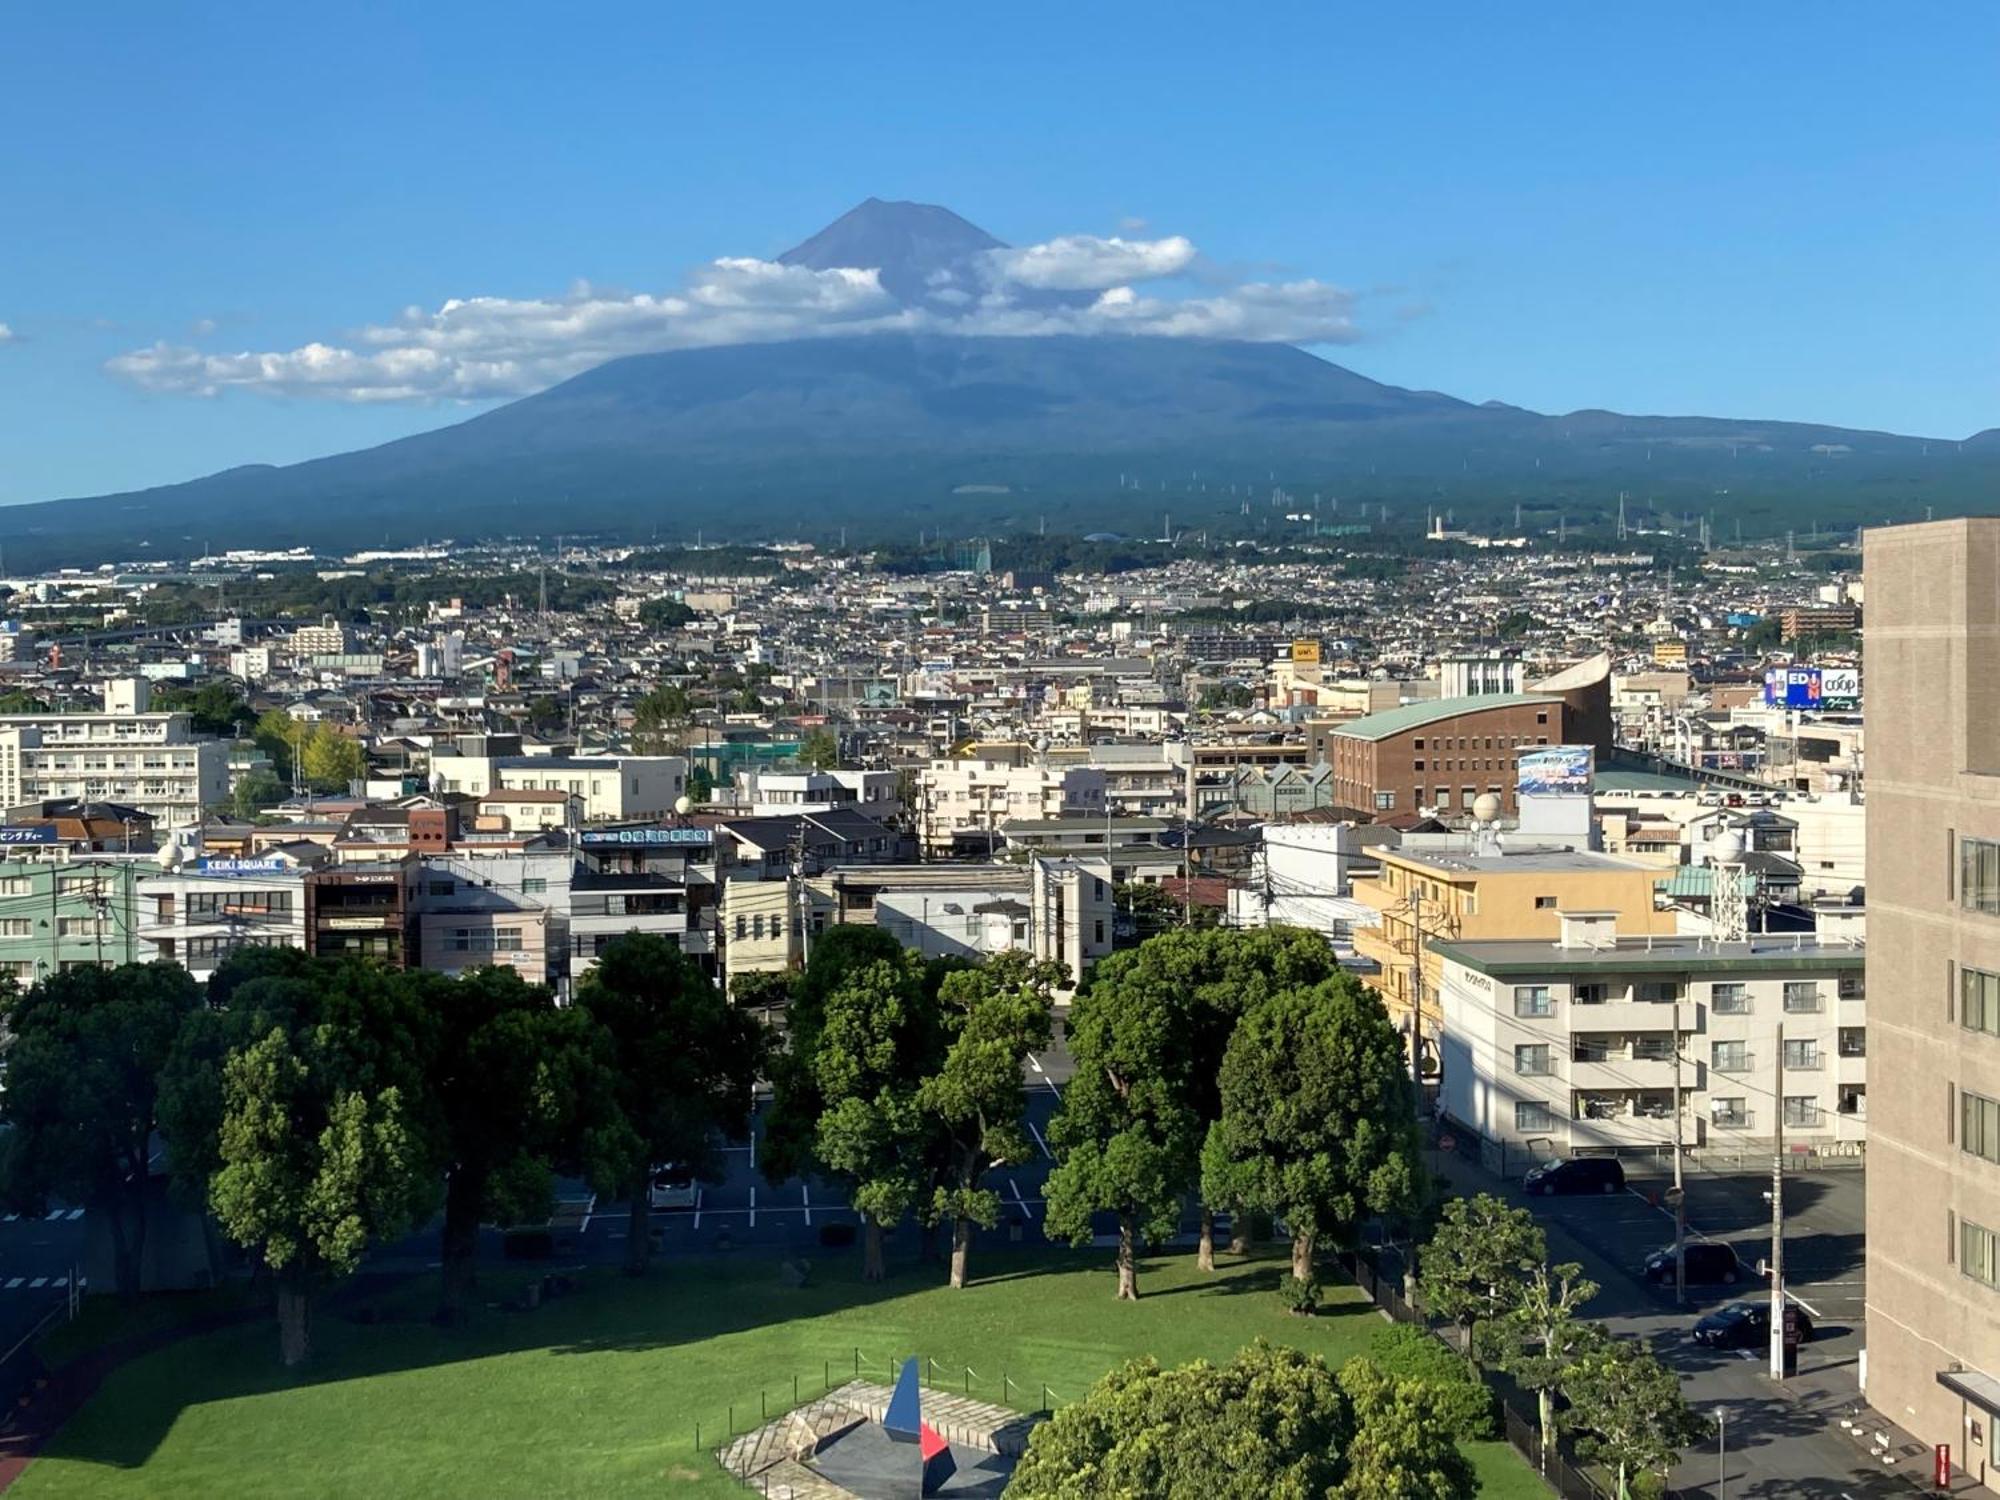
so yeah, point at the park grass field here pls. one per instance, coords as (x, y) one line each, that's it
(598, 1393)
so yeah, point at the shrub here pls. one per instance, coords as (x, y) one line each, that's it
(1458, 1392)
(1300, 1294)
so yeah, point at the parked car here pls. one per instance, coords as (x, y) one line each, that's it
(1576, 1174)
(1745, 1325)
(672, 1187)
(1707, 1263)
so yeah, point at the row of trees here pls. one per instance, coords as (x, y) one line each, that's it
(902, 1079)
(1243, 1068)
(1486, 1269)
(318, 1107)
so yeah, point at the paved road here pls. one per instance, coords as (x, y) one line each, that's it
(37, 1253)
(1783, 1441)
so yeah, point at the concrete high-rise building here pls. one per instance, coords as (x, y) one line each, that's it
(1933, 723)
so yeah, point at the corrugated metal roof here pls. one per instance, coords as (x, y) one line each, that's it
(1698, 882)
(1416, 715)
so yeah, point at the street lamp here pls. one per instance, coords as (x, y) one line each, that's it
(1721, 1452)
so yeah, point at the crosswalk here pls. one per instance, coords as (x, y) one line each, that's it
(54, 1214)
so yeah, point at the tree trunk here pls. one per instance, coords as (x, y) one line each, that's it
(961, 1249)
(1624, 1490)
(463, 1192)
(294, 1321)
(1545, 1409)
(1128, 1264)
(871, 1249)
(1239, 1231)
(638, 1229)
(1204, 1255)
(1302, 1253)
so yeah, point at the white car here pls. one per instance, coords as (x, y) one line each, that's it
(672, 1186)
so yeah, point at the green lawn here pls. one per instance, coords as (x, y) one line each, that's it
(598, 1393)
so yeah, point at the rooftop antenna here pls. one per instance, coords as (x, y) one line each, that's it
(1621, 515)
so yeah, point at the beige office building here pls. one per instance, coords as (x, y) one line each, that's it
(1933, 721)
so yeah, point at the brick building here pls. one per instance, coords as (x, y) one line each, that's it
(1442, 754)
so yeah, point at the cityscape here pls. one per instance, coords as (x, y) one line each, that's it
(1053, 865)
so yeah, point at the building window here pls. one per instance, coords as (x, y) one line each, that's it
(1532, 1060)
(1545, 903)
(1801, 1111)
(1730, 999)
(1731, 1113)
(1659, 992)
(1979, 875)
(1098, 937)
(1591, 994)
(1979, 1001)
(1801, 1055)
(16, 885)
(1979, 1125)
(443, 887)
(1533, 1000)
(1533, 1117)
(16, 927)
(534, 885)
(1853, 987)
(1853, 1041)
(1802, 996)
(1384, 801)
(1979, 1253)
(1730, 1057)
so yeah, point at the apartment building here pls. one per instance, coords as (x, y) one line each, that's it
(610, 788)
(56, 916)
(963, 800)
(1586, 1043)
(1441, 755)
(197, 913)
(1932, 660)
(153, 762)
(1419, 897)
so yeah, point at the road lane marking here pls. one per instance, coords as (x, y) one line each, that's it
(753, 1205)
(806, 1197)
(697, 1208)
(584, 1227)
(1023, 1202)
(75, 1213)
(17, 1281)
(1036, 1063)
(57, 1213)
(1040, 1142)
(38, 1283)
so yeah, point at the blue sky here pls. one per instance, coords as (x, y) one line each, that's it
(1785, 210)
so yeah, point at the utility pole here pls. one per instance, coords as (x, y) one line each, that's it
(1417, 993)
(1680, 1189)
(1778, 1217)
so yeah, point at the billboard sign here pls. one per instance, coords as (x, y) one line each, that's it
(1305, 653)
(1793, 687)
(1840, 688)
(269, 865)
(39, 833)
(647, 838)
(1555, 771)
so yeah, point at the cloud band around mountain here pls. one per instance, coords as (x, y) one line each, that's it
(482, 348)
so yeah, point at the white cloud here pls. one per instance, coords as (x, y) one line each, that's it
(483, 348)
(1086, 263)
(6, 334)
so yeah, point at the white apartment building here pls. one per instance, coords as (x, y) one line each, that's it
(968, 796)
(328, 638)
(196, 914)
(610, 788)
(1550, 1049)
(153, 762)
(764, 793)
(1302, 877)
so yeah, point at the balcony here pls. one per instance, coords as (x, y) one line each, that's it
(1629, 1015)
(1626, 1073)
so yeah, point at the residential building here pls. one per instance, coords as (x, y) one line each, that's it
(1582, 1044)
(367, 911)
(197, 912)
(964, 800)
(1932, 662)
(151, 761)
(1441, 756)
(611, 788)
(643, 879)
(60, 915)
(1420, 897)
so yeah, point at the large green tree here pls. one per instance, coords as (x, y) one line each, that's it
(85, 1051)
(819, 750)
(880, 1040)
(1127, 1138)
(303, 1108)
(1273, 1422)
(1472, 1271)
(1317, 1115)
(1627, 1411)
(518, 1086)
(997, 1015)
(684, 1063)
